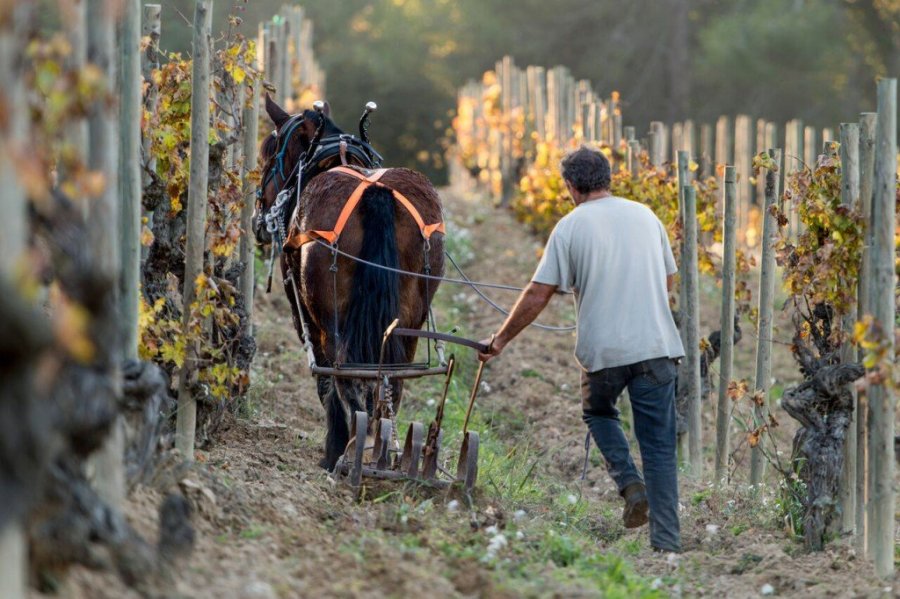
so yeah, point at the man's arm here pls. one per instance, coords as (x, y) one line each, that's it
(531, 302)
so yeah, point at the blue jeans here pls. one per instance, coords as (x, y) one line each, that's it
(651, 388)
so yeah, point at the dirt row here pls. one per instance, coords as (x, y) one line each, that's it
(270, 523)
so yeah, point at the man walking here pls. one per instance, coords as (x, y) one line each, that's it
(615, 255)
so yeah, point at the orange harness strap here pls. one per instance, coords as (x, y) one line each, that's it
(297, 240)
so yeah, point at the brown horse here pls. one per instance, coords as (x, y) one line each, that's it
(347, 311)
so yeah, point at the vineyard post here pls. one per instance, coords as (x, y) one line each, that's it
(653, 140)
(766, 309)
(152, 29)
(742, 162)
(103, 234)
(630, 156)
(285, 68)
(771, 137)
(883, 284)
(677, 138)
(867, 123)
(657, 143)
(849, 133)
(284, 86)
(13, 230)
(796, 135)
(827, 134)
(692, 335)
(540, 102)
(268, 36)
(76, 132)
(689, 138)
(307, 65)
(726, 357)
(552, 118)
(683, 158)
(706, 150)
(274, 58)
(130, 175)
(617, 127)
(296, 17)
(810, 143)
(665, 136)
(570, 106)
(196, 220)
(724, 147)
(251, 134)
(13, 134)
(635, 154)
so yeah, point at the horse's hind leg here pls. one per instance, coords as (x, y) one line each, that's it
(336, 432)
(340, 404)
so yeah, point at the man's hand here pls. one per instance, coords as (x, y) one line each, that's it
(494, 348)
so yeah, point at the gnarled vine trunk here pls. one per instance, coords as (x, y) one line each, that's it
(823, 405)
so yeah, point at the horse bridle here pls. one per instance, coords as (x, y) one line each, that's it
(277, 166)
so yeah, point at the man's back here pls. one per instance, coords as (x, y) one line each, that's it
(615, 254)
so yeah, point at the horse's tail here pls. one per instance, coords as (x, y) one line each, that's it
(375, 298)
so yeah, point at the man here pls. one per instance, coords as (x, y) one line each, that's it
(615, 254)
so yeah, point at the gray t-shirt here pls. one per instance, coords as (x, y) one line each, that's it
(615, 255)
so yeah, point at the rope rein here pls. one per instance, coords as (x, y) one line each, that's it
(465, 281)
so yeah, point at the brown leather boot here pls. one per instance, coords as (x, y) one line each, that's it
(636, 506)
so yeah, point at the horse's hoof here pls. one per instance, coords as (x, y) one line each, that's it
(323, 463)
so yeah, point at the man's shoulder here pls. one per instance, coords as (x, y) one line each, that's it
(564, 225)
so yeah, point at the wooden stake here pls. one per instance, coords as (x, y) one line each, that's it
(726, 357)
(634, 153)
(692, 333)
(103, 233)
(657, 143)
(706, 151)
(883, 283)
(251, 136)
(196, 219)
(849, 197)
(130, 175)
(683, 158)
(867, 125)
(766, 309)
(13, 232)
(743, 165)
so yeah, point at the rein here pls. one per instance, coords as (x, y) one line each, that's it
(465, 280)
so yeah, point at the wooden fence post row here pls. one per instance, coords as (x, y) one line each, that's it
(285, 48)
(532, 105)
(556, 108)
(559, 110)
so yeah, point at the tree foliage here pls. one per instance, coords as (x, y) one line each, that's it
(765, 58)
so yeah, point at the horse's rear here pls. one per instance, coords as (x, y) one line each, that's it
(347, 304)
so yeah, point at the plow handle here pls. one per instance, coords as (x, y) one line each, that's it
(475, 389)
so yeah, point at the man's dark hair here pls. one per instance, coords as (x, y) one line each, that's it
(586, 170)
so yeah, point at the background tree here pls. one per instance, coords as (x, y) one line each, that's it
(670, 60)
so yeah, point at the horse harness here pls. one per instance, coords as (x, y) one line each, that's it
(367, 178)
(296, 238)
